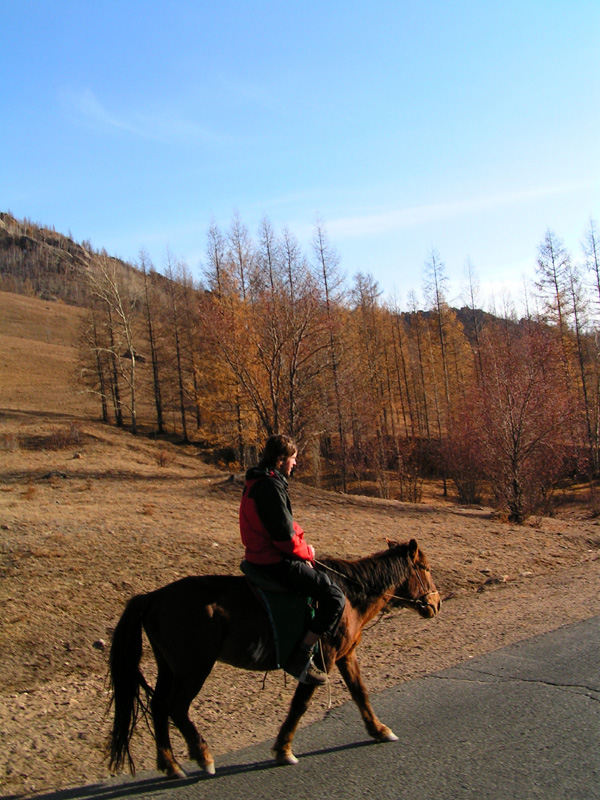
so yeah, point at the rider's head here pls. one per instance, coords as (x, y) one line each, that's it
(279, 453)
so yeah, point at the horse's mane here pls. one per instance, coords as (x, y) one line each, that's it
(368, 577)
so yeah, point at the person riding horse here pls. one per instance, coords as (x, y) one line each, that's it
(275, 545)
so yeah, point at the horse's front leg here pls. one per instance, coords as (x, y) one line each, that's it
(282, 749)
(350, 671)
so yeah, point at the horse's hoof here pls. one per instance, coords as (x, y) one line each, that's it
(387, 735)
(288, 761)
(284, 759)
(176, 772)
(209, 767)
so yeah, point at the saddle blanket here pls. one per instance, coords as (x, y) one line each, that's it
(289, 613)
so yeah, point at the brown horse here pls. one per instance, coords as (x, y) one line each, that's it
(197, 621)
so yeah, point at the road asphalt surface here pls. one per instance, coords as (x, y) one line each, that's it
(521, 722)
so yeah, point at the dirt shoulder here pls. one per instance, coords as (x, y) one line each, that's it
(85, 526)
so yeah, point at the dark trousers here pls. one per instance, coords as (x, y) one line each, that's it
(300, 577)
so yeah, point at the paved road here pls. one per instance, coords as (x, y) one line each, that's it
(522, 722)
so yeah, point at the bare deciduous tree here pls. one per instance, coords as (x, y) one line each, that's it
(524, 412)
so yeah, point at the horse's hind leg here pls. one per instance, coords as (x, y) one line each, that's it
(180, 699)
(159, 705)
(172, 698)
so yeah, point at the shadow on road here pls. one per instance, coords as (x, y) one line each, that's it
(123, 787)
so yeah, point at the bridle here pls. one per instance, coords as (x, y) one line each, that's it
(419, 602)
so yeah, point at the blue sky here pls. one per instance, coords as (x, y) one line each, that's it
(467, 127)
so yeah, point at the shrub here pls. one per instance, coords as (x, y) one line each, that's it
(62, 438)
(10, 442)
(164, 457)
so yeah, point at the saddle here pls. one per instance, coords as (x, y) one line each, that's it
(289, 613)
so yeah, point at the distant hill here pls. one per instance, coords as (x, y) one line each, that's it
(39, 262)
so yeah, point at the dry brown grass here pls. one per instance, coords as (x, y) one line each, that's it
(38, 357)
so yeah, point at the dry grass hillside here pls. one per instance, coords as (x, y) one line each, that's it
(38, 357)
(90, 515)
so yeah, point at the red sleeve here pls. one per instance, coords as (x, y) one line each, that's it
(296, 546)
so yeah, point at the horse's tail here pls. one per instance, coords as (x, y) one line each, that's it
(127, 682)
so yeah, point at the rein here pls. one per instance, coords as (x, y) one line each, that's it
(418, 602)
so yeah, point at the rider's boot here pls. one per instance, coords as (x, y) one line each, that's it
(303, 668)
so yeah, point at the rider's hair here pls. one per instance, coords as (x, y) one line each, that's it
(276, 448)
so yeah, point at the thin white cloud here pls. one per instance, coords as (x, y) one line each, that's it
(398, 219)
(86, 107)
(248, 93)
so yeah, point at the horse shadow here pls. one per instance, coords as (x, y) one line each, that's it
(126, 788)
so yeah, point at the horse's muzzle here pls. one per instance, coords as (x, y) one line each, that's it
(429, 605)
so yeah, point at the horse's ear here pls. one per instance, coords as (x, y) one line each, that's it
(413, 548)
(391, 543)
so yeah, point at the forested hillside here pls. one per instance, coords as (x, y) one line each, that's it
(379, 397)
(40, 262)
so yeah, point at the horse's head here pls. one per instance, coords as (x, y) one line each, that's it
(418, 590)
